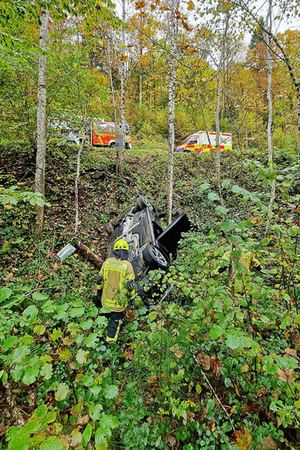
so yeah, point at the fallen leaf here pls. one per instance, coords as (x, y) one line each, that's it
(204, 361)
(286, 375)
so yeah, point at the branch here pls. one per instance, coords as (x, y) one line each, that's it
(91, 256)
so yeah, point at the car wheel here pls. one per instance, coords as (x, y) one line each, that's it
(109, 228)
(142, 203)
(155, 258)
(112, 145)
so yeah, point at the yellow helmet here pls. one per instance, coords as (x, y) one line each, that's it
(121, 245)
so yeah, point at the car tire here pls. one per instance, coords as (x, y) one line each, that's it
(142, 203)
(112, 145)
(154, 257)
(109, 228)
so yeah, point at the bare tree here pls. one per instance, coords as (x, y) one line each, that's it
(171, 118)
(270, 118)
(41, 119)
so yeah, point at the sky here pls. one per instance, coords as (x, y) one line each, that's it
(280, 25)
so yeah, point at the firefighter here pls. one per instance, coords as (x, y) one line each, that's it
(115, 279)
(248, 261)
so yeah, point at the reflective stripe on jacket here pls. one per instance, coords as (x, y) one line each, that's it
(247, 259)
(115, 272)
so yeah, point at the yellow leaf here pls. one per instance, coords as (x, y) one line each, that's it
(7, 206)
(191, 5)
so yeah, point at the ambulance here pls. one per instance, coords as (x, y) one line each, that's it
(205, 142)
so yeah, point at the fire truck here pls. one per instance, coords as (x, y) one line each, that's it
(205, 142)
(97, 132)
(104, 134)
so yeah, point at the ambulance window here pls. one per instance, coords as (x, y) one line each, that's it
(111, 128)
(192, 141)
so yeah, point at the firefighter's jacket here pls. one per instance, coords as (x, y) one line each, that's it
(247, 259)
(113, 277)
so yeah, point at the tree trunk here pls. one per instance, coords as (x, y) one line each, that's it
(270, 118)
(41, 120)
(111, 82)
(217, 114)
(171, 118)
(122, 150)
(78, 172)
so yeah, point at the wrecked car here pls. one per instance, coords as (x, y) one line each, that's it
(150, 247)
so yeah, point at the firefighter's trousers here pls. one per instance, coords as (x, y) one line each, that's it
(115, 320)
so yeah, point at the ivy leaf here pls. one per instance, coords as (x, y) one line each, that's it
(62, 391)
(111, 391)
(233, 341)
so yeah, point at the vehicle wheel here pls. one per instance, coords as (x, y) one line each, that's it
(109, 228)
(155, 258)
(142, 203)
(127, 147)
(186, 151)
(112, 145)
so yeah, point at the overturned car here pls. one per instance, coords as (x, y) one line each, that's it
(150, 247)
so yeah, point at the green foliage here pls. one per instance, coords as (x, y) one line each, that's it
(176, 363)
(13, 195)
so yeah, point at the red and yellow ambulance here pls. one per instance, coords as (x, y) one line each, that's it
(205, 142)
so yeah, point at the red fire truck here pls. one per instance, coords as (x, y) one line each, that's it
(104, 134)
(97, 132)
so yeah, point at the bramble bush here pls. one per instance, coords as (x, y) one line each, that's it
(213, 367)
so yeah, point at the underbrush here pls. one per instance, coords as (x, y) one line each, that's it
(215, 367)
